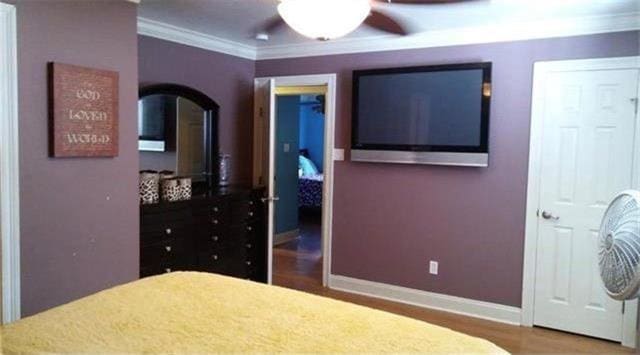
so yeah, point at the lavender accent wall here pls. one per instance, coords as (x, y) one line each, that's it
(79, 216)
(228, 80)
(390, 220)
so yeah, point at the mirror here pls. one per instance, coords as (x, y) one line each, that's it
(177, 132)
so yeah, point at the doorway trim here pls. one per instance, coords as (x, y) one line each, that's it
(329, 141)
(9, 166)
(540, 72)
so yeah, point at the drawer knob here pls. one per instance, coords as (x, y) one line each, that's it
(168, 230)
(214, 238)
(249, 228)
(168, 248)
(248, 263)
(167, 270)
(215, 257)
(250, 203)
(250, 214)
(248, 245)
(215, 221)
(215, 209)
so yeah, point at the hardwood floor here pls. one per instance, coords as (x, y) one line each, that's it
(298, 265)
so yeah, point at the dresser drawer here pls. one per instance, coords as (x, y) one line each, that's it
(239, 210)
(227, 238)
(162, 268)
(255, 231)
(215, 212)
(256, 210)
(229, 261)
(175, 252)
(163, 232)
(151, 217)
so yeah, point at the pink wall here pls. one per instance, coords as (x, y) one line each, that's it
(228, 80)
(390, 220)
(79, 216)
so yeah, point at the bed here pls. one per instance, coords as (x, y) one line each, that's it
(192, 312)
(309, 182)
(310, 191)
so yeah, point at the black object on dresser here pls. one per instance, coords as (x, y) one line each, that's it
(223, 232)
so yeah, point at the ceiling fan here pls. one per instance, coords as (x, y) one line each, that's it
(328, 19)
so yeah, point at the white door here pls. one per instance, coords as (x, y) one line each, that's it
(587, 157)
(264, 153)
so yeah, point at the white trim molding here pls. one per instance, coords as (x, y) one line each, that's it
(460, 36)
(452, 304)
(167, 32)
(541, 71)
(504, 32)
(9, 165)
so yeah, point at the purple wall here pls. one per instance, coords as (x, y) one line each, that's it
(390, 220)
(80, 216)
(228, 80)
(79, 228)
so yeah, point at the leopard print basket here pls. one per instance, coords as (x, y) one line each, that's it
(170, 190)
(185, 188)
(148, 184)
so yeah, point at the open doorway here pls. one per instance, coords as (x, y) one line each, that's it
(265, 148)
(299, 168)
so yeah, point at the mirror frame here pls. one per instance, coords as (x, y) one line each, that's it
(211, 110)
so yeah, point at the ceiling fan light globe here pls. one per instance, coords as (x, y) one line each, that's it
(324, 19)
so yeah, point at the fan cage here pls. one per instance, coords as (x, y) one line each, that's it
(619, 246)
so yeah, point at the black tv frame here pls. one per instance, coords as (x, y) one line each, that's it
(377, 152)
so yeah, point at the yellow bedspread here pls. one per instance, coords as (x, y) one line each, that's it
(192, 312)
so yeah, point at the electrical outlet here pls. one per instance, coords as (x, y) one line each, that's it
(433, 267)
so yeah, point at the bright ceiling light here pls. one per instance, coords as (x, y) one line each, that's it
(324, 19)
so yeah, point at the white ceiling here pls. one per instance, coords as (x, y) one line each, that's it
(239, 20)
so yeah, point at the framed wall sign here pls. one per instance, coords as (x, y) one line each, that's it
(83, 111)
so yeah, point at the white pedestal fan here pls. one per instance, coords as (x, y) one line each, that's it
(619, 247)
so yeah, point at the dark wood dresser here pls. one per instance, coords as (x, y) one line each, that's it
(224, 233)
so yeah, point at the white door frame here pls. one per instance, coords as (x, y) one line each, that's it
(540, 74)
(329, 138)
(9, 166)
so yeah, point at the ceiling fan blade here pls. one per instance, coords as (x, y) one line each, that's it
(272, 25)
(385, 23)
(421, 2)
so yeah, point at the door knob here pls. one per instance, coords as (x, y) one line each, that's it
(548, 215)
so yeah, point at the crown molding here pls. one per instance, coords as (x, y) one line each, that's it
(461, 36)
(181, 35)
(443, 38)
(134, 1)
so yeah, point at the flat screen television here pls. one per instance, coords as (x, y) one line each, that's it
(422, 115)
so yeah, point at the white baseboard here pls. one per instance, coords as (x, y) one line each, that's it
(286, 236)
(464, 306)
